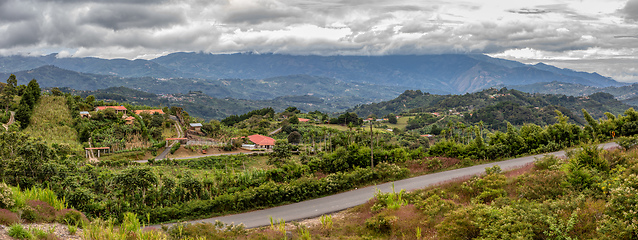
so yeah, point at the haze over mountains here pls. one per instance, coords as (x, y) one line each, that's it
(439, 74)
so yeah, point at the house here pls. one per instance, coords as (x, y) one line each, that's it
(303, 119)
(85, 114)
(149, 111)
(196, 126)
(262, 141)
(118, 109)
(129, 120)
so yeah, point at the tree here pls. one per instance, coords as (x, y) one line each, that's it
(294, 137)
(56, 91)
(392, 119)
(90, 99)
(34, 90)
(8, 92)
(281, 152)
(23, 115)
(293, 119)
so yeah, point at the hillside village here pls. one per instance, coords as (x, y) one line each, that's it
(90, 164)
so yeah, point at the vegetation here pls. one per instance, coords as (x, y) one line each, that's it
(49, 181)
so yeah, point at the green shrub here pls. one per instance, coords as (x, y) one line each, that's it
(434, 164)
(547, 162)
(542, 185)
(175, 147)
(72, 217)
(381, 223)
(627, 142)
(18, 231)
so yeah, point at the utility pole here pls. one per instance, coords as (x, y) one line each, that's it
(371, 147)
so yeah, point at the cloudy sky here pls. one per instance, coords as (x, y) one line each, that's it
(586, 35)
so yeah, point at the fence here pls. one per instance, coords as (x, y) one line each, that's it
(199, 143)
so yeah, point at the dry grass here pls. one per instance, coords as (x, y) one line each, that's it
(51, 121)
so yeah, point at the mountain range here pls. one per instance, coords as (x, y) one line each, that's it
(438, 74)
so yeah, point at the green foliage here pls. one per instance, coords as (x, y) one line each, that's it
(391, 200)
(233, 119)
(175, 147)
(627, 142)
(281, 152)
(19, 232)
(381, 223)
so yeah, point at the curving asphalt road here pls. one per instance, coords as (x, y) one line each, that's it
(338, 202)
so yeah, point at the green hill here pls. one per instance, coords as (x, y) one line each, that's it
(52, 122)
(494, 107)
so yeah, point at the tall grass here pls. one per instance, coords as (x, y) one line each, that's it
(131, 228)
(45, 195)
(51, 120)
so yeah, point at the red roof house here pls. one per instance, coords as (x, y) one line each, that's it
(118, 109)
(262, 141)
(150, 111)
(303, 119)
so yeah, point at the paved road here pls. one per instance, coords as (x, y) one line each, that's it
(168, 148)
(338, 202)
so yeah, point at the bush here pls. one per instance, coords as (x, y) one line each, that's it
(175, 147)
(72, 217)
(434, 164)
(627, 142)
(547, 162)
(43, 212)
(7, 217)
(542, 185)
(381, 223)
(17, 231)
(6, 196)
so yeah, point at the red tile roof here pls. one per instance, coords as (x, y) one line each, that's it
(151, 111)
(303, 119)
(261, 140)
(113, 107)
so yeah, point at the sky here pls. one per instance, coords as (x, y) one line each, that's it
(594, 36)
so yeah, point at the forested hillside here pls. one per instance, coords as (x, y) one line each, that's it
(494, 107)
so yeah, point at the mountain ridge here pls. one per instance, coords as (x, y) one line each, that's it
(444, 73)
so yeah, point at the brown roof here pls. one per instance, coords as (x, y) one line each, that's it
(150, 111)
(113, 107)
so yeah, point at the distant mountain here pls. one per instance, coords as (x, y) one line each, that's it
(439, 74)
(117, 67)
(261, 89)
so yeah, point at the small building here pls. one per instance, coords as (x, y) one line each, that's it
(129, 120)
(85, 114)
(149, 111)
(118, 109)
(262, 141)
(196, 126)
(303, 119)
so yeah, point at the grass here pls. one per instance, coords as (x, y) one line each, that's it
(51, 121)
(402, 122)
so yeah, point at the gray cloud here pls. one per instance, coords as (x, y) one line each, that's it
(124, 16)
(147, 28)
(631, 10)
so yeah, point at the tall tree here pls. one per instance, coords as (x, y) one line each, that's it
(9, 91)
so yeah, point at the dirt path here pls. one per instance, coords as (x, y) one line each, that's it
(11, 121)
